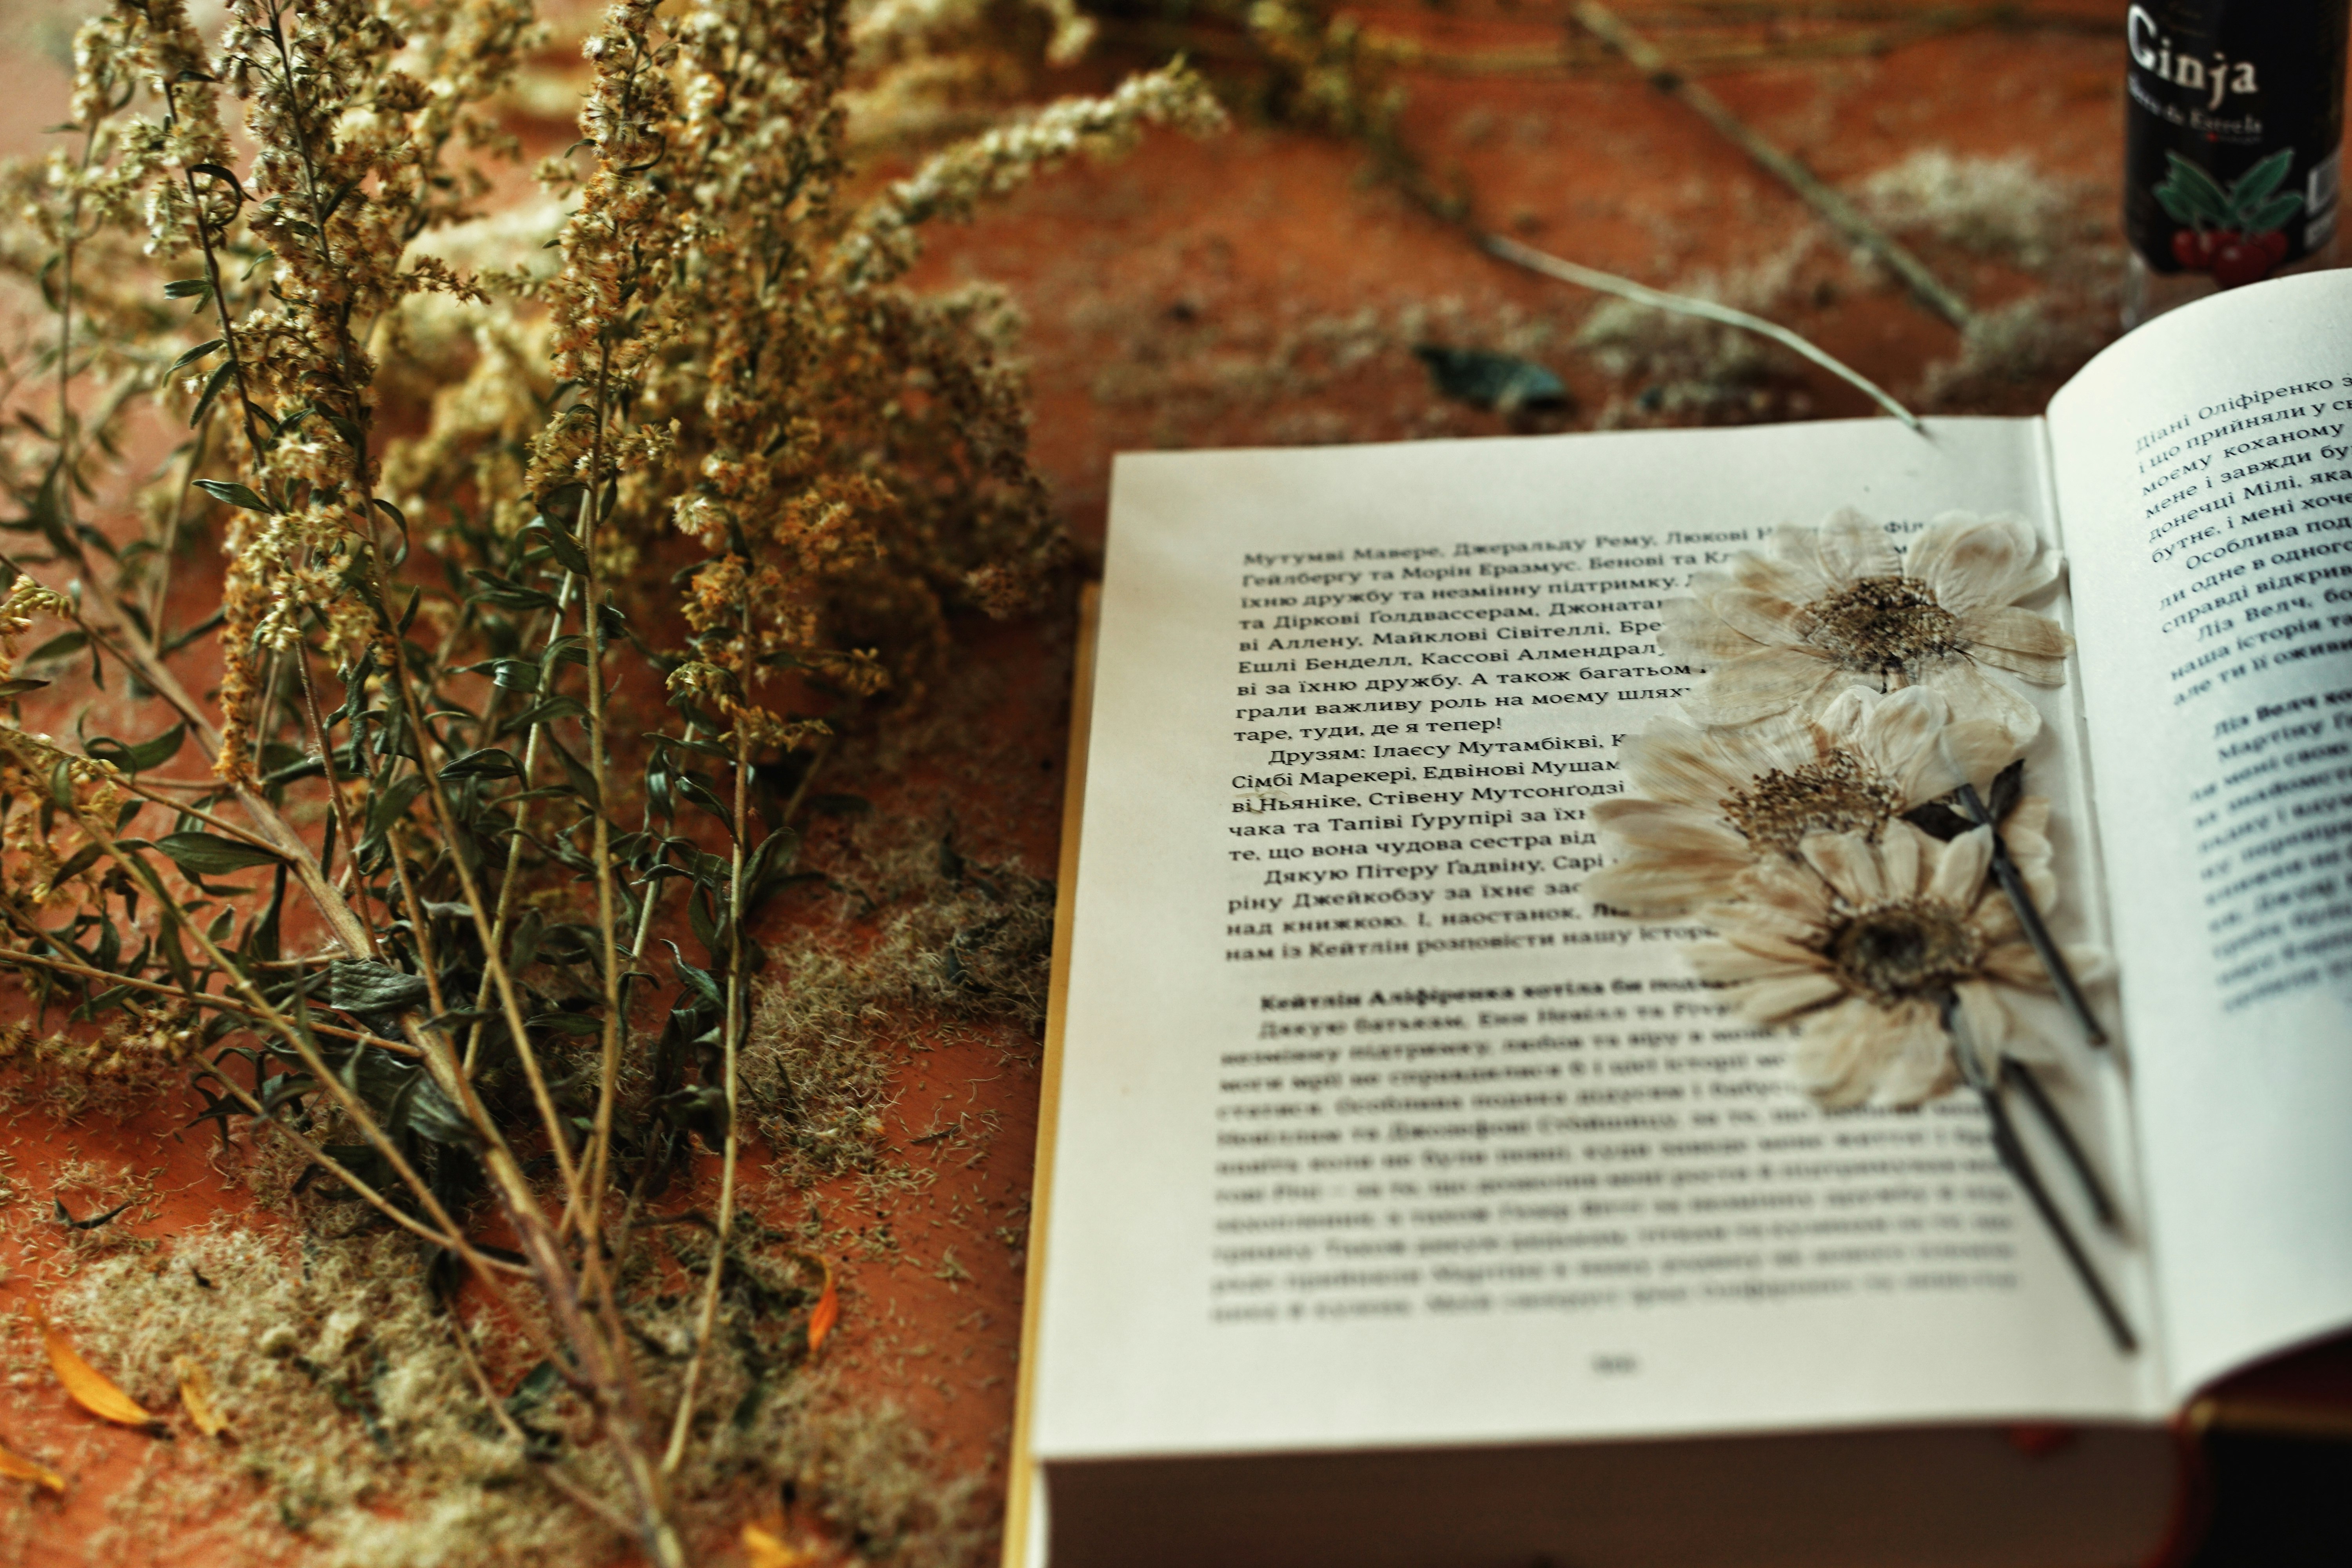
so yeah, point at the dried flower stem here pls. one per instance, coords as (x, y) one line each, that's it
(200, 998)
(2020, 1165)
(2004, 871)
(496, 942)
(608, 1070)
(707, 1322)
(2016, 1075)
(451, 1233)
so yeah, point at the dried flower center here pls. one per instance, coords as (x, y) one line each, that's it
(1838, 794)
(1883, 623)
(1918, 947)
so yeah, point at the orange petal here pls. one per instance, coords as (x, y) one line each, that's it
(196, 1395)
(91, 1388)
(765, 1549)
(826, 1312)
(15, 1467)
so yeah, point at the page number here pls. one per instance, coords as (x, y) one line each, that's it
(1616, 1363)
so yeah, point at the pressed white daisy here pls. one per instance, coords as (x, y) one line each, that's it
(1709, 802)
(1833, 607)
(1863, 943)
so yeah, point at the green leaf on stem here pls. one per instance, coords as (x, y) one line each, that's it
(210, 855)
(193, 355)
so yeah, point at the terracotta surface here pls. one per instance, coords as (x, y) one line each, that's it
(1158, 291)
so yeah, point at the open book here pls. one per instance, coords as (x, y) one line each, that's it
(1396, 1207)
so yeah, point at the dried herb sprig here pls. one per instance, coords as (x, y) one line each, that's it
(724, 367)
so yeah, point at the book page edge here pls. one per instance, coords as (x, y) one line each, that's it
(1019, 1478)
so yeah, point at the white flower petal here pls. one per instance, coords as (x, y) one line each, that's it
(1784, 997)
(1917, 1063)
(1836, 1055)
(1784, 891)
(1978, 697)
(1793, 568)
(2021, 641)
(1677, 762)
(1973, 751)
(1986, 1020)
(1900, 857)
(1651, 885)
(1761, 617)
(1848, 863)
(2015, 963)
(1973, 563)
(2090, 966)
(1728, 963)
(1854, 547)
(1892, 728)
(1959, 873)
(1761, 684)
(1694, 633)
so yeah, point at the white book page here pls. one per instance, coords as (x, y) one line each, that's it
(1370, 1131)
(2204, 470)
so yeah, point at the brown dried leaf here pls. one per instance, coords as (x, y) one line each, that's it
(15, 1467)
(196, 1395)
(826, 1312)
(91, 1388)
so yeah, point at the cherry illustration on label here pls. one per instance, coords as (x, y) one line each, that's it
(2236, 233)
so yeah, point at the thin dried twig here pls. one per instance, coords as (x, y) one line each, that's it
(1840, 213)
(1535, 260)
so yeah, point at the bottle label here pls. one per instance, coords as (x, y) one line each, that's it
(2234, 118)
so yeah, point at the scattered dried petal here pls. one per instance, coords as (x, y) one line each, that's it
(826, 1312)
(91, 1388)
(764, 1549)
(15, 1467)
(196, 1395)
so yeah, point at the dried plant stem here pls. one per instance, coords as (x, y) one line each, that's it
(449, 1241)
(452, 1234)
(131, 785)
(326, 749)
(2015, 1159)
(515, 1193)
(275, 834)
(707, 1321)
(2016, 1075)
(507, 876)
(61, 484)
(159, 582)
(197, 998)
(608, 1073)
(2020, 899)
(507, 1423)
(1839, 213)
(429, 748)
(1535, 260)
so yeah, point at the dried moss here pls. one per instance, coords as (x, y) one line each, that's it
(360, 1440)
(1681, 368)
(875, 1477)
(2013, 354)
(949, 941)
(2002, 208)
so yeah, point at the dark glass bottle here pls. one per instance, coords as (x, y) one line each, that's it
(2233, 143)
